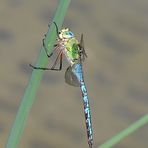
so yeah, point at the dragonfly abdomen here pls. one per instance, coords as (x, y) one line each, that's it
(77, 69)
(87, 113)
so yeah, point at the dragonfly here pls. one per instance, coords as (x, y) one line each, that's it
(75, 53)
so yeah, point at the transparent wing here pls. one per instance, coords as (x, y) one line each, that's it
(70, 77)
(81, 44)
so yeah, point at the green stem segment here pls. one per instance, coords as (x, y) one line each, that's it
(123, 134)
(29, 96)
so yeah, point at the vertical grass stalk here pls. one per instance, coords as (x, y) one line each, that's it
(31, 90)
(123, 134)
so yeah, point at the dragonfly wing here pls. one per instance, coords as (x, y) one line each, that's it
(84, 55)
(70, 77)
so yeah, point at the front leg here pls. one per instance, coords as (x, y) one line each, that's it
(46, 49)
(48, 55)
(60, 56)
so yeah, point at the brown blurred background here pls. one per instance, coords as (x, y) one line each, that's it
(116, 72)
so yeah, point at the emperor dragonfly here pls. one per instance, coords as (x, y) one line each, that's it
(75, 53)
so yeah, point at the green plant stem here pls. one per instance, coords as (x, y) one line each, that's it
(123, 134)
(29, 95)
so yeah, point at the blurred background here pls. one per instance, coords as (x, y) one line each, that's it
(116, 72)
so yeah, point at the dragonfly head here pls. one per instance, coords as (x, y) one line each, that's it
(65, 34)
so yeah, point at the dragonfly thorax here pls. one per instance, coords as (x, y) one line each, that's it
(71, 45)
(72, 50)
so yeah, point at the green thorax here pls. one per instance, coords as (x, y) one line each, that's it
(72, 50)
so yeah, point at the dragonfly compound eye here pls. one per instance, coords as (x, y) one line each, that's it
(71, 34)
(68, 35)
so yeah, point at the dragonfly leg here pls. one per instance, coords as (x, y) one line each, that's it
(48, 55)
(53, 67)
(41, 68)
(57, 29)
(46, 49)
(56, 46)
